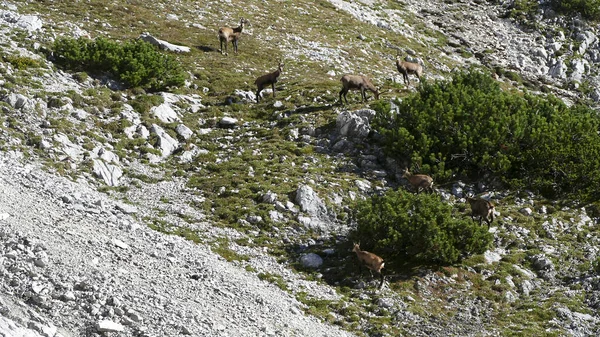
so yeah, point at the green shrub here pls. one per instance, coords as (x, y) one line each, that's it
(21, 62)
(137, 63)
(589, 9)
(522, 10)
(470, 128)
(418, 227)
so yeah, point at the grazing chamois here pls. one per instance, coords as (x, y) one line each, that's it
(228, 34)
(357, 82)
(482, 208)
(419, 181)
(371, 261)
(265, 80)
(405, 68)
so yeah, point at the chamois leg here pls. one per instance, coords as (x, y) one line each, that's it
(258, 94)
(235, 46)
(425, 186)
(363, 94)
(382, 280)
(273, 86)
(343, 92)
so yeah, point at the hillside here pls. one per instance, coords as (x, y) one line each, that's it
(193, 210)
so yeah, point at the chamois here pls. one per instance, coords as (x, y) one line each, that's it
(419, 181)
(482, 208)
(357, 82)
(265, 80)
(228, 34)
(371, 261)
(405, 68)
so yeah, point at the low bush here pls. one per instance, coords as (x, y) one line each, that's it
(136, 63)
(21, 62)
(470, 128)
(589, 9)
(420, 228)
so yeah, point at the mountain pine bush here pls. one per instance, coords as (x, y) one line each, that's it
(469, 128)
(524, 10)
(589, 9)
(137, 63)
(420, 228)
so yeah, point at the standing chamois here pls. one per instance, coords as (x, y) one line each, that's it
(228, 34)
(357, 82)
(371, 261)
(265, 80)
(483, 209)
(419, 181)
(405, 68)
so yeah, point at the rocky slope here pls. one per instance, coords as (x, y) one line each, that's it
(79, 262)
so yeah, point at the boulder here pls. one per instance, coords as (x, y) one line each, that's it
(165, 113)
(185, 132)
(228, 122)
(310, 202)
(163, 44)
(166, 144)
(311, 260)
(354, 124)
(108, 172)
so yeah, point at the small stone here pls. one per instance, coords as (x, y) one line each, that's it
(135, 317)
(269, 197)
(38, 288)
(126, 320)
(68, 296)
(127, 209)
(120, 244)
(4, 216)
(40, 262)
(491, 257)
(526, 211)
(108, 326)
(228, 122)
(184, 131)
(385, 302)
(254, 219)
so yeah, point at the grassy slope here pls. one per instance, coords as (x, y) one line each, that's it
(283, 30)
